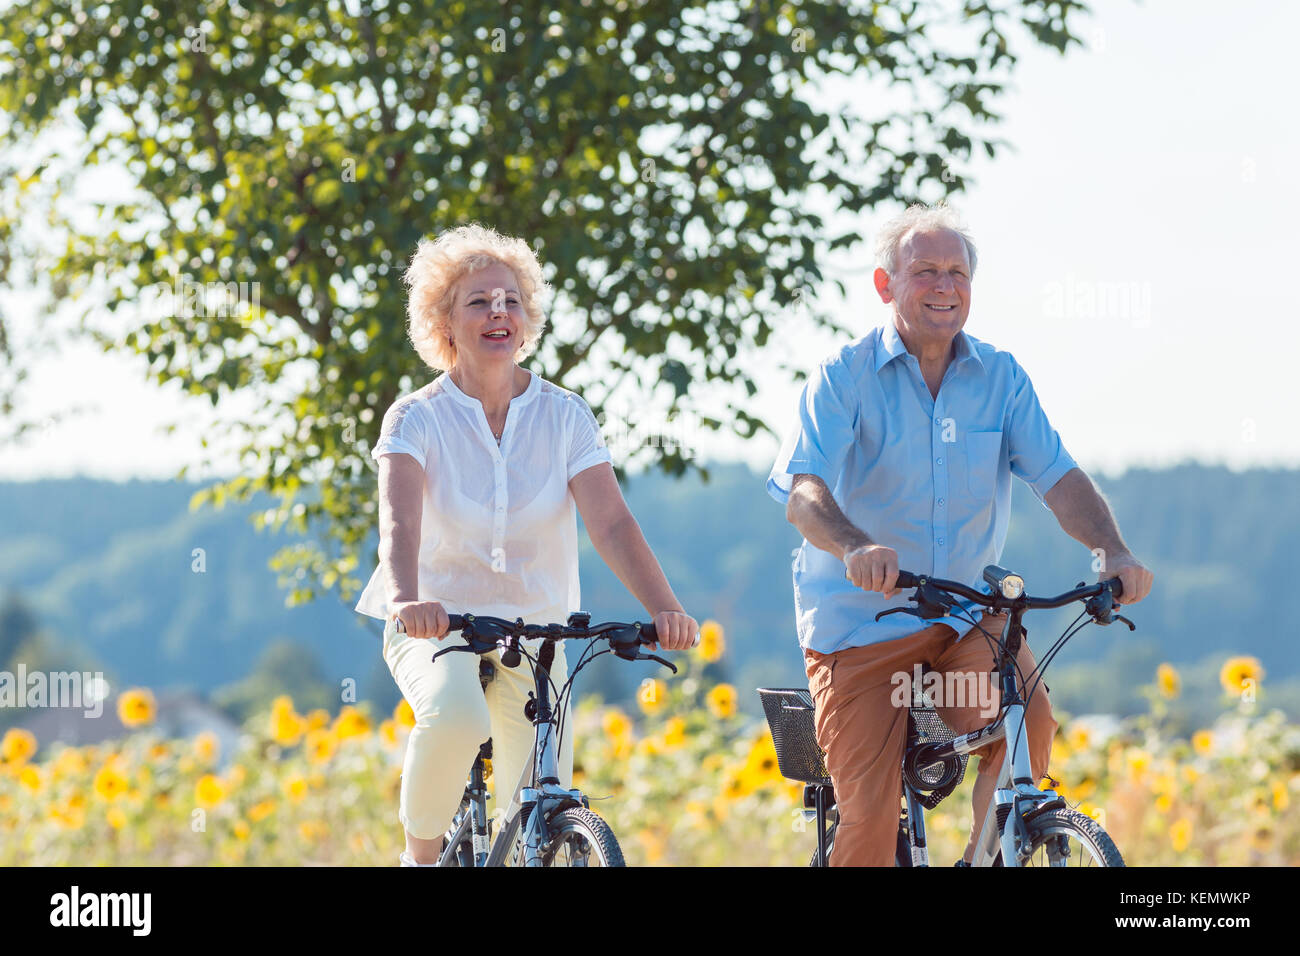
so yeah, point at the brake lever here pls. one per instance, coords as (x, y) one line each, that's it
(455, 647)
(1131, 625)
(654, 657)
(899, 610)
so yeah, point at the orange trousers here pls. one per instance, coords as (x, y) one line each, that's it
(861, 720)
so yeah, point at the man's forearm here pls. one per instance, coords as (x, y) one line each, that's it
(813, 510)
(1084, 514)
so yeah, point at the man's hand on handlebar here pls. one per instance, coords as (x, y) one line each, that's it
(873, 567)
(422, 619)
(1135, 578)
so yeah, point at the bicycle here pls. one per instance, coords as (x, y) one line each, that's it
(543, 824)
(1024, 824)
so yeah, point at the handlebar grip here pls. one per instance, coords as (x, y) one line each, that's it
(648, 633)
(457, 623)
(906, 579)
(1116, 587)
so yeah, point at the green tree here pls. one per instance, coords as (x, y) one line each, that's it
(668, 159)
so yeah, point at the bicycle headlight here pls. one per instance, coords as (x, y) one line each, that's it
(1013, 585)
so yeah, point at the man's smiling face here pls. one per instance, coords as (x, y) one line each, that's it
(930, 286)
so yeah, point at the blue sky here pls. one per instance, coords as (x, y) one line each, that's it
(1136, 252)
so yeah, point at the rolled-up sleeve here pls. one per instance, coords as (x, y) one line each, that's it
(586, 444)
(1038, 457)
(402, 431)
(820, 441)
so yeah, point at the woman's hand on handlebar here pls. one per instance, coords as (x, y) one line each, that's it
(676, 631)
(422, 619)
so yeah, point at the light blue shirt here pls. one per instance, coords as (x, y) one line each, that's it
(928, 477)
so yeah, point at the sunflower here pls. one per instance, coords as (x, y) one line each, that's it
(674, 733)
(1168, 681)
(1281, 799)
(30, 777)
(286, 726)
(351, 723)
(1138, 763)
(206, 747)
(1180, 834)
(110, 782)
(260, 811)
(17, 746)
(403, 714)
(1203, 742)
(762, 762)
(1078, 737)
(136, 707)
(116, 817)
(722, 701)
(712, 641)
(295, 788)
(1240, 673)
(209, 791)
(616, 724)
(69, 763)
(319, 746)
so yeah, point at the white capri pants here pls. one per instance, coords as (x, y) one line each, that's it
(453, 716)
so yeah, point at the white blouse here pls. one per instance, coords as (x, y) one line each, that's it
(498, 532)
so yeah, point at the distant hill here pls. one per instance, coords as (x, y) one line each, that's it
(105, 569)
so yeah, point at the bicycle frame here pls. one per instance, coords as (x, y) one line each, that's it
(1015, 796)
(537, 794)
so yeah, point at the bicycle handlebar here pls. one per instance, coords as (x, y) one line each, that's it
(486, 633)
(906, 579)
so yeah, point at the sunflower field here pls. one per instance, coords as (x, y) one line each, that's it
(684, 779)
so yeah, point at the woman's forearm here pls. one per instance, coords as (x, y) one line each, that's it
(623, 547)
(399, 557)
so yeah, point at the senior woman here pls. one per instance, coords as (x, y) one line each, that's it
(479, 473)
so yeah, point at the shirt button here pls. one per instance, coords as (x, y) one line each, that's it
(941, 541)
(938, 461)
(940, 501)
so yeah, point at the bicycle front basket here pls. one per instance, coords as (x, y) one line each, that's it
(789, 713)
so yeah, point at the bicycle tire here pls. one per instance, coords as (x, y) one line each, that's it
(1054, 824)
(587, 834)
(462, 842)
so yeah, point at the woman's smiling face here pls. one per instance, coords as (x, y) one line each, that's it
(486, 317)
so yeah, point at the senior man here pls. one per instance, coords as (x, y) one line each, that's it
(903, 456)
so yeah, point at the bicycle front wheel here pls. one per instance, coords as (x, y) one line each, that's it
(1069, 838)
(581, 838)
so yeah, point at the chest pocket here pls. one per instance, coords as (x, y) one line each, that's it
(983, 450)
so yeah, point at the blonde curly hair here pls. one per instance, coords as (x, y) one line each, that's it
(439, 264)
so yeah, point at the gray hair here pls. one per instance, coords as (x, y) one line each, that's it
(922, 218)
